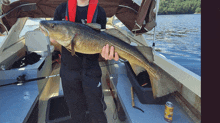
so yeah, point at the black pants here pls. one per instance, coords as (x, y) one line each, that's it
(83, 93)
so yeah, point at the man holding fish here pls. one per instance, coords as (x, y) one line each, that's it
(85, 42)
(81, 73)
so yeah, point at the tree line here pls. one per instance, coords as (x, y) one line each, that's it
(179, 6)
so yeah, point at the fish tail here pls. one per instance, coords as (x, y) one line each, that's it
(152, 71)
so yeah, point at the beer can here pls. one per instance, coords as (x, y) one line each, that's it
(168, 114)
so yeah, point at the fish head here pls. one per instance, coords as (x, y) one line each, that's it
(58, 30)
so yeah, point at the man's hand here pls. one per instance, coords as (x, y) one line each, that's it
(109, 56)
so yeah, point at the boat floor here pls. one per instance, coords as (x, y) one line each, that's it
(110, 112)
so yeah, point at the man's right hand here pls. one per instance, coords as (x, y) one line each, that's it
(108, 53)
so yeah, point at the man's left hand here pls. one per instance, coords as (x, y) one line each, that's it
(109, 56)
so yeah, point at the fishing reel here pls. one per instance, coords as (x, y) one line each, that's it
(21, 79)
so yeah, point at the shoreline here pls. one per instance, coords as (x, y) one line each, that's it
(180, 14)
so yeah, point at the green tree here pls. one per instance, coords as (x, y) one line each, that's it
(179, 6)
(198, 10)
(171, 11)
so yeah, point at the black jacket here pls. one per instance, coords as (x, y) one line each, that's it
(72, 65)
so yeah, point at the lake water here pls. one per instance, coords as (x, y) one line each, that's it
(178, 37)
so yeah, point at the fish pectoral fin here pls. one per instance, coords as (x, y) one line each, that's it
(118, 34)
(72, 46)
(95, 26)
(147, 52)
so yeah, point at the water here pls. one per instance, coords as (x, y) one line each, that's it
(178, 37)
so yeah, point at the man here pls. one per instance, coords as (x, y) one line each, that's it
(81, 73)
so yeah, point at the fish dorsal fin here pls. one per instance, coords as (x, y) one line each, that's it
(116, 33)
(95, 26)
(147, 52)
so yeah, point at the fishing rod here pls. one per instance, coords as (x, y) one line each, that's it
(21, 80)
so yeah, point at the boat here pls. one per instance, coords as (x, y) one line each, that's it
(32, 92)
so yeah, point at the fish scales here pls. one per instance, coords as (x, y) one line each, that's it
(94, 41)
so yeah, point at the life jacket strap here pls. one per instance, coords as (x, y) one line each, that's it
(71, 10)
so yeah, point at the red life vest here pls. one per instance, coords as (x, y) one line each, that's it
(71, 11)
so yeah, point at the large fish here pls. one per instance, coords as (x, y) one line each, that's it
(89, 39)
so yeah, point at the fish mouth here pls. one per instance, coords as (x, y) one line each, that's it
(44, 30)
